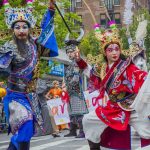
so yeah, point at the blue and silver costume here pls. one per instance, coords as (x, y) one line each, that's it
(22, 106)
(77, 105)
(73, 77)
(16, 103)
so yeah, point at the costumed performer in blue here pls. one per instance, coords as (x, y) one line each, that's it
(19, 59)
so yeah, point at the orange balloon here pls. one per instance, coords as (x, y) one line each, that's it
(2, 92)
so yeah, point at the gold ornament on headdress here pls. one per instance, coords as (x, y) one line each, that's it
(133, 50)
(108, 36)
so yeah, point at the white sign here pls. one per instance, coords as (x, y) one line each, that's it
(92, 101)
(59, 111)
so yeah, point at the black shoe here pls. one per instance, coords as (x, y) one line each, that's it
(24, 145)
(11, 147)
(65, 129)
(70, 134)
(55, 135)
(80, 135)
(94, 146)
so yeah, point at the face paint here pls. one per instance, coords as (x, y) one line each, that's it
(18, 27)
(112, 53)
(113, 48)
(71, 55)
(21, 30)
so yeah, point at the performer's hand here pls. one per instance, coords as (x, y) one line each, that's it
(77, 54)
(47, 97)
(52, 4)
(64, 88)
(52, 1)
(1, 84)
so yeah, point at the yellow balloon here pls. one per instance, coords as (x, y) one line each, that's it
(2, 92)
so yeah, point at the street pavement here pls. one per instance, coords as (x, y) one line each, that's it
(62, 143)
(50, 143)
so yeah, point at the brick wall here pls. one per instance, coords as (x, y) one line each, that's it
(97, 10)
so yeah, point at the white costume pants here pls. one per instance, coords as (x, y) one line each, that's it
(93, 127)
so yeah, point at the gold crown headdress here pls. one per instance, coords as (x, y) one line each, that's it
(13, 15)
(108, 36)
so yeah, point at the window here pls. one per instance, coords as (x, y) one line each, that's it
(72, 6)
(78, 3)
(117, 18)
(109, 3)
(103, 19)
(116, 2)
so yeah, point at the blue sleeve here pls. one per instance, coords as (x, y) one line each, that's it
(5, 64)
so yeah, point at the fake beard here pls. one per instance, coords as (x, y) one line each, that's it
(23, 46)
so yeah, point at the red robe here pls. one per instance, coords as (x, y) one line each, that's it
(128, 79)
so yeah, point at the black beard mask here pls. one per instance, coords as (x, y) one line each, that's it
(23, 46)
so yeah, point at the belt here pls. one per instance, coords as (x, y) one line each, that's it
(16, 87)
(126, 97)
(120, 97)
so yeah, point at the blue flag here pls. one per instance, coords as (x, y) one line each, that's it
(47, 37)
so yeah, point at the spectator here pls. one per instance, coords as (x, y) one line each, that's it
(55, 92)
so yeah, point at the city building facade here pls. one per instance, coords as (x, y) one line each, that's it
(115, 9)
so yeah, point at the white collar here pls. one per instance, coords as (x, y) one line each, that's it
(110, 65)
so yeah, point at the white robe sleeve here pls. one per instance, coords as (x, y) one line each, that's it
(142, 101)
